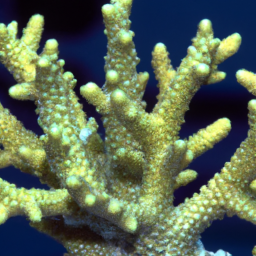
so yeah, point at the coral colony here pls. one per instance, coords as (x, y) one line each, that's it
(115, 196)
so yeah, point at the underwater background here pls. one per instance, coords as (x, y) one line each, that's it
(78, 27)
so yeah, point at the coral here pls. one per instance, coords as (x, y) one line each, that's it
(114, 196)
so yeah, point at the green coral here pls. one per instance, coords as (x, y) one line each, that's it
(115, 196)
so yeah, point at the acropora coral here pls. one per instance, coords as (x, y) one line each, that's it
(114, 195)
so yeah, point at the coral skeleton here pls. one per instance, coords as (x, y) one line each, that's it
(114, 195)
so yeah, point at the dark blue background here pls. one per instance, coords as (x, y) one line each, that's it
(78, 27)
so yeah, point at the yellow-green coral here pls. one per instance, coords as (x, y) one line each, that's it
(116, 195)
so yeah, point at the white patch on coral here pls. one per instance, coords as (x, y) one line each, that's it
(85, 134)
(222, 253)
(202, 252)
(200, 248)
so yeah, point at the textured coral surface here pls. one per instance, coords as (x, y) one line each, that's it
(114, 196)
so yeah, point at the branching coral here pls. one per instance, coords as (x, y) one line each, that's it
(115, 196)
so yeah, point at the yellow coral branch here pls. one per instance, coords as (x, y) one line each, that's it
(206, 138)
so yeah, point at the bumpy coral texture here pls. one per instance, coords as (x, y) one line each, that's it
(115, 196)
